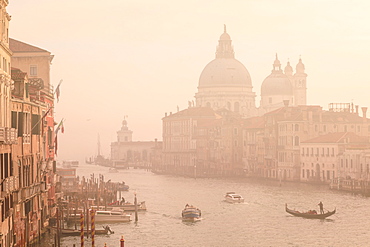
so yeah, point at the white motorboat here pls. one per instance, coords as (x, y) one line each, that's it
(232, 197)
(111, 216)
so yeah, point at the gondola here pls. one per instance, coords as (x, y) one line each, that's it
(310, 214)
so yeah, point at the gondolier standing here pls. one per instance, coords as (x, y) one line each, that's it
(321, 207)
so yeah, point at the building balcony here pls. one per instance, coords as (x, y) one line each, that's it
(10, 184)
(8, 135)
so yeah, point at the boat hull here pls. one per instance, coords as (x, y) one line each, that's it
(191, 214)
(309, 215)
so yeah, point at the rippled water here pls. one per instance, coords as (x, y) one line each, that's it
(260, 221)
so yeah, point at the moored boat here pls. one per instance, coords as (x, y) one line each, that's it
(111, 216)
(232, 197)
(191, 213)
(113, 170)
(77, 232)
(311, 214)
(128, 206)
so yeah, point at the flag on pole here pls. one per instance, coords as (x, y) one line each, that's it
(57, 90)
(60, 127)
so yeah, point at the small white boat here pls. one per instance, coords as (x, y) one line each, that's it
(232, 197)
(111, 216)
(191, 213)
(113, 170)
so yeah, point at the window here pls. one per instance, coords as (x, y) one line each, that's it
(296, 141)
(33, 70)
(270, 100)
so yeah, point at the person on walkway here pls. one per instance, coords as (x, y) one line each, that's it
(321, 207)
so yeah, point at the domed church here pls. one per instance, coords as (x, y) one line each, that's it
(282, 86)
(225, 83)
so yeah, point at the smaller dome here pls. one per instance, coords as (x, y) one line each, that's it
(288, 69)
(276, 84)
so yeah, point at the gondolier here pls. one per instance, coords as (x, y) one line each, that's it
(321, 207)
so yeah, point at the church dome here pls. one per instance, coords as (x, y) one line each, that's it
(225, 72)
(277, 83)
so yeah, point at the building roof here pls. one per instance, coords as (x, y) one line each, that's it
(18, 46)
(338, 137)
(194, 112)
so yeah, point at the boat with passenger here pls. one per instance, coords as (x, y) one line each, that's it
(232, 197)
(310, 214)
(191, 213)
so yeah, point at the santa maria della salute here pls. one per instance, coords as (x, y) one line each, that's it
(225, 83)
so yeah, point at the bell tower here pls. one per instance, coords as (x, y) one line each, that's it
(300, 85)
(124, 135)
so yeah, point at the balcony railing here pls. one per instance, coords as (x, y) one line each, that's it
(11, 184)
(8, 135)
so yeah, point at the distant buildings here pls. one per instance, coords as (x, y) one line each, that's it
(126, 153)
(225, 134)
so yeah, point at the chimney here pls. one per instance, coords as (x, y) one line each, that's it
(357, 110)
(165, 114)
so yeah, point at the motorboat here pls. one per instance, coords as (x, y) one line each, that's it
(191, 213)
(232, 197)
(112, 216)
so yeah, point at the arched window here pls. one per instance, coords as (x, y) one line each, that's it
(228, 105)
(208, 104)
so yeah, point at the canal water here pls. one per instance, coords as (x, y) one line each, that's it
(260, 221)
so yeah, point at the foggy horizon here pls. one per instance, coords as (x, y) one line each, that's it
(143, 59)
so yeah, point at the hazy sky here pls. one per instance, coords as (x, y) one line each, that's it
(144, 58)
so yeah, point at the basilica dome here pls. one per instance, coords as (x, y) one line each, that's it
(277, 83)
(225, 72)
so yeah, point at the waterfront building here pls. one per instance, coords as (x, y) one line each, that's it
(279, 134)
(7, 133)
(333, 155)
(125, 152)
(32, 115)
(179, 139)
